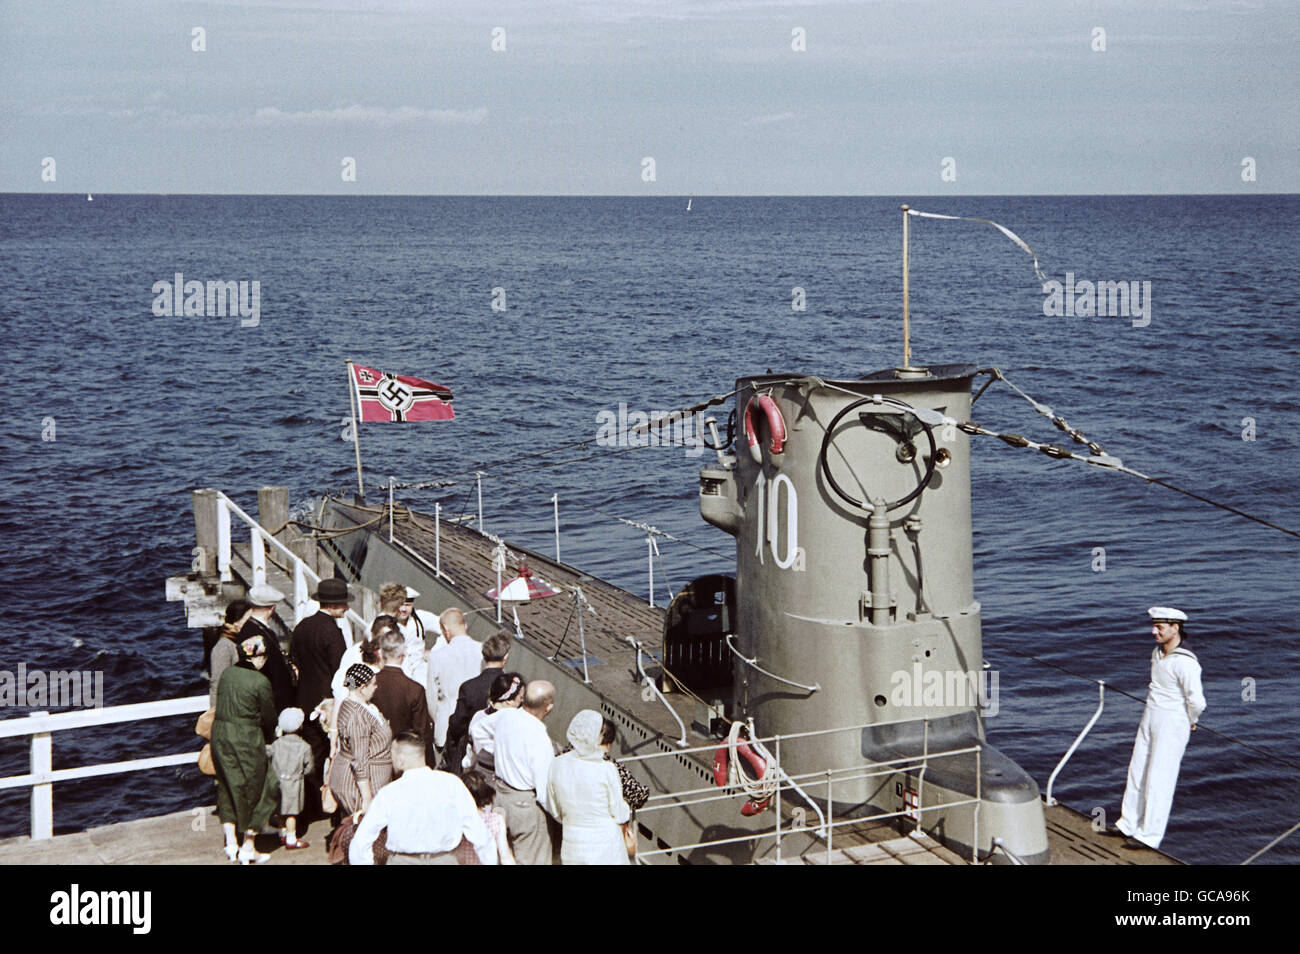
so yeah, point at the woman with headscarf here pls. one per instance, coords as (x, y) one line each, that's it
(225, 651)
(363, 761)
(586, 797)
(507, 692)
(247, 793)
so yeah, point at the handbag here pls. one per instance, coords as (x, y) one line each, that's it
(203, 727)
(339, 841)
(629, 838)
(328, 803)
(206, 765)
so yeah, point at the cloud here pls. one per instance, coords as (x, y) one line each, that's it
(365, 115)
(270, 116)
(769, 118)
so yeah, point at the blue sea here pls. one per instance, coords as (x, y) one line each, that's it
(636, 301)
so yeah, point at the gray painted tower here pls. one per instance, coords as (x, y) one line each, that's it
(850, 505)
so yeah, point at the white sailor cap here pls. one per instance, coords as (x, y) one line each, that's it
(1166, 614)
(411, 593)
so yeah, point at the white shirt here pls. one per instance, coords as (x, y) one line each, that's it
(430, 624)
(426, 812)
(449, 666)
(523, 752)
(1176, 683)
(482, 734)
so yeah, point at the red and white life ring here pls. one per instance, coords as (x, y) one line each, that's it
(775, 427)
(751, 776)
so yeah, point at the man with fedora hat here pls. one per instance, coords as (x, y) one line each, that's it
(1174, 704)
(263, 599)
(317, 647)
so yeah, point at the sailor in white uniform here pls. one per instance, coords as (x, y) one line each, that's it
(420, 628)
(1174, 703)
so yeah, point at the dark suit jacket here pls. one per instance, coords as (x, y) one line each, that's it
(317, 650)
(473, 697)
(276, 669)
(401, 700)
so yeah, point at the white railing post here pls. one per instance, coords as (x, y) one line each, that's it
(478, 479)
(299, 592)
(555, 500)
(776, 758)
(650, 565)
(390, 508)
(437, 538)
(979, 800)
(830, 814)
(42, 763)
(925, 764)
(258, 554)
(223, 538)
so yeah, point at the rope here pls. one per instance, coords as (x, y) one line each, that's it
(426, 485)
(638, 430)
(758, 790)
(1115, 464)
(1100, 458)
(1275, 841)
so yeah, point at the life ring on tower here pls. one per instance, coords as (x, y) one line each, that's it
(775, 427)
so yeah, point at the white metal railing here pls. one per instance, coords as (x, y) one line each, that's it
(1101, 704)
(304, 577)
(652, 534)
(814, 780)
(42, 775)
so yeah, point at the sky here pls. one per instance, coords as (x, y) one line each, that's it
(726, 97)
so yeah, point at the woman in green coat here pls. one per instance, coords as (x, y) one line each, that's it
(247, 792)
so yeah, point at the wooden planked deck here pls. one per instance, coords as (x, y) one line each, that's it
(182, 838)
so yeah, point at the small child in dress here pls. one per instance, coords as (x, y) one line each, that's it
(483, 793)
(291, 760)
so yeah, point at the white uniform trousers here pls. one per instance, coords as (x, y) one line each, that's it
(1153, 773)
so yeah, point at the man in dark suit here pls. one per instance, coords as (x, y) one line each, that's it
(473, 696)
(317, 648)
(398, 697)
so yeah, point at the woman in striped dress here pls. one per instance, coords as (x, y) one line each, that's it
(363, 760)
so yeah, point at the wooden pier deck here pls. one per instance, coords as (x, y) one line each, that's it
(161, 840)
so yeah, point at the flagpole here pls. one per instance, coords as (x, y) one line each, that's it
(356, 430)
(907, 345)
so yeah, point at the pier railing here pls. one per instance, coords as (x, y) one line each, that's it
(304, 577)
(41, 726)
(802, 787)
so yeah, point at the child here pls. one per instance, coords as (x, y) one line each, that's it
(291, 760)
(483, 793)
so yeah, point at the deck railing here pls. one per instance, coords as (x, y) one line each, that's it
(803, 784)
(41, 726)
(304, 577)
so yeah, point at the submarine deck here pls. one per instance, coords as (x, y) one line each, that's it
(465, 557)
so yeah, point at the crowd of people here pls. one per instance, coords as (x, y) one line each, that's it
(416, 743)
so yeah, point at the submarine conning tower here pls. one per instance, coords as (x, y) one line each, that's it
(855, 605)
